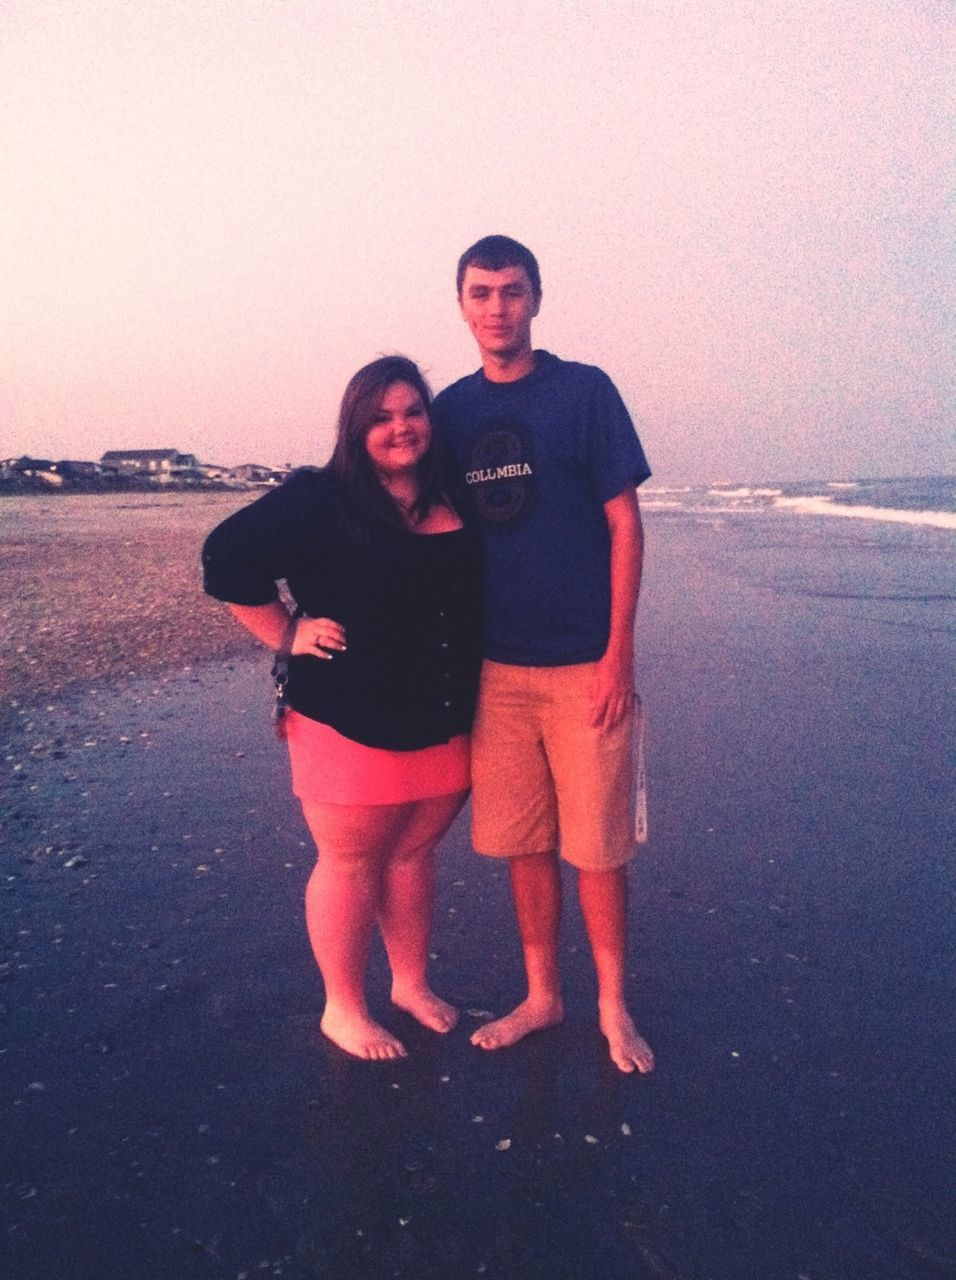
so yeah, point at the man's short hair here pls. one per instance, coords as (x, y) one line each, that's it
(494, 253)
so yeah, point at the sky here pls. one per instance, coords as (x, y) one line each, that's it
(214, 211)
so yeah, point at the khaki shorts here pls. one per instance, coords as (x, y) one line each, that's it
(542, 777)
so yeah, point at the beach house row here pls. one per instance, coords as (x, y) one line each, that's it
(150, 467)
(167, 465)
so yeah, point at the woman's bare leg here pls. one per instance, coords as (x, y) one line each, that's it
(407, 907)
(342, 900)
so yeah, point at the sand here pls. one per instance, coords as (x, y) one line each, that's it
(171, 1110)
(97, 587)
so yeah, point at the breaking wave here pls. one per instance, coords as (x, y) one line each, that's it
(823, 505)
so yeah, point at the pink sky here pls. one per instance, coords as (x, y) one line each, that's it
(214, 212)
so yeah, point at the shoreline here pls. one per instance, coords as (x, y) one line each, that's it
(790, 961)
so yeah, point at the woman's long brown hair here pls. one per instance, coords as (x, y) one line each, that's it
(350, 462)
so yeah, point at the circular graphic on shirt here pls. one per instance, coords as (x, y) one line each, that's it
(499, 474)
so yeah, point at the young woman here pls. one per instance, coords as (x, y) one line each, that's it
(385, 654)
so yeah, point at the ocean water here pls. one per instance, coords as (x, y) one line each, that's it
(925, 501)
(880, 551)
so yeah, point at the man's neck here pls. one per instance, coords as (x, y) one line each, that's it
(508, 368)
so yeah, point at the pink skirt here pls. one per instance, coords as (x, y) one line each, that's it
(330, 769)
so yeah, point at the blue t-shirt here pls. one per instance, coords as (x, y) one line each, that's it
(539, 458)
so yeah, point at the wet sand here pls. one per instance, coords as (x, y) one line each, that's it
(172, 1111)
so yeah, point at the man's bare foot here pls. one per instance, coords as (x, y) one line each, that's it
(359, 1035)
(629, 1051)
(427, 1008)
(514, 1026)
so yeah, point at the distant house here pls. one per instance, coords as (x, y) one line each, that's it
(40, 470)
(157, 464)
(70, 469)
(28, 466)
(256, 473)
(211, 471)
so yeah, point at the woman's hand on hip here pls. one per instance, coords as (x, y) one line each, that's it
(318, 637)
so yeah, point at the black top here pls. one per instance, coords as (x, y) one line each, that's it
(410, 604)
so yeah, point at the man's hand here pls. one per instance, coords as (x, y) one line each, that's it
(612, 695)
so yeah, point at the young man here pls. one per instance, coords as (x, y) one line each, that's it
(552, 461)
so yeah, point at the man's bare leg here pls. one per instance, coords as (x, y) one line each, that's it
(603, 896)
(536, 887)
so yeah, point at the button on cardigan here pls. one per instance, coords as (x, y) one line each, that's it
(410, 604)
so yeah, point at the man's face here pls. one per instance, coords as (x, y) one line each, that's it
(498, 307)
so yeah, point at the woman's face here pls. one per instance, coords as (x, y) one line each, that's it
(400, 432)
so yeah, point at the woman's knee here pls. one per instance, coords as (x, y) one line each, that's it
(350, 836)
(428, 822)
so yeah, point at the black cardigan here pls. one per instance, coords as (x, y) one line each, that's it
(410, 604)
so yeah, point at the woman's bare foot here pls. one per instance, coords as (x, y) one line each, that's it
(514, 1026)
(425, 1007)
(629, 1051)
(359, 1035)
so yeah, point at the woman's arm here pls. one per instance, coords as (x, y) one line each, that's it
(267, 622)
(319, 637)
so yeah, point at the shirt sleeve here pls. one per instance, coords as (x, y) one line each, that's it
(616, 456)
(245, 556)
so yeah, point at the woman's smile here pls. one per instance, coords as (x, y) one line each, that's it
(400, 434)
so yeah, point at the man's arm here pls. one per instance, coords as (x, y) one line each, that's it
(613, 694)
